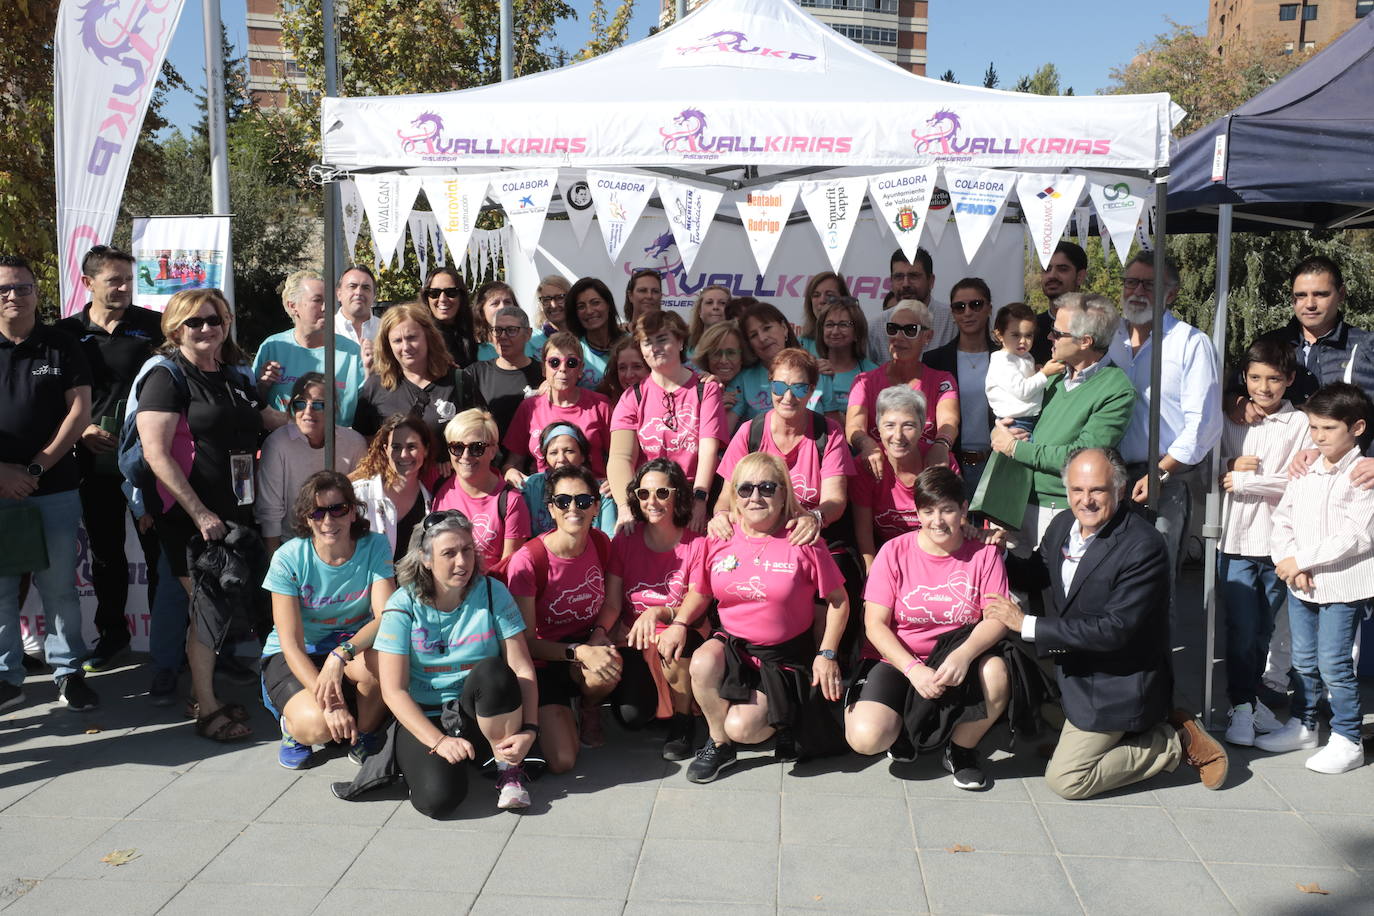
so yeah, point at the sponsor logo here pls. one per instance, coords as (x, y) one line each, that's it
(687, 137)
(947, 603)
(48, 370)
(1049, 194)
(942, 139)
(905, 220)
(1118, 197)
(426, 139)
(727, 42)
(579, 196)
(976, 209)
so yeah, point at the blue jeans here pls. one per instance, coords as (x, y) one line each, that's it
(1323, 635)
(171, 606)
(1253, 595)
(56, 585)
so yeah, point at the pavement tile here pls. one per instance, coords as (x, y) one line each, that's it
(1122, 886)
(992, 882)
(815, 877)
(926, 778)
(1351, 835)
(376, 900)
(551, 866)
(1134, 796)
(616, 811)
(104, 792)
(985, 825)
(477, 812)
(505, 904)
(167, 851)
(208, 898)
(309, 801)
(1274, 889)
(17, 780)
(1100, 830)
(1251, 837)
(730, 814)
(396, 859)
(614, 765)
(35, 847)
(68, 895)
(296, 854)
(1348, 793)
(1245, 790)
(846, 820)
(237, 797)
(706, 870)
(666, 907)
(756, 770)
(846, 775)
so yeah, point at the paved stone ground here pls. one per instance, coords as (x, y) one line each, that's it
(225, 830)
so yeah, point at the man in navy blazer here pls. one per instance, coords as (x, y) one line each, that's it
(1107, 631)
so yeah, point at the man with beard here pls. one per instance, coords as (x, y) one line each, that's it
(1067, 273)
(911, 280)
(1190, 418)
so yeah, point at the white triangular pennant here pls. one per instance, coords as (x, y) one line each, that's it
(1105, 235)
(764, 212)
(1082, 219)
(456, 201)
(978, 196)
(387, 200)
(619, 200)
(1120, 202)
(351, 207)
(1145, 230)
(690, 210)
(419, 222)
(834, 210)
(903, 199)
(525, 195)
(436, 242)
(940, 214)
(577, 201)
(1047, 201)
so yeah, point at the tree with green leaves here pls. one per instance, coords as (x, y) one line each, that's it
(948, 77)
(990, 78)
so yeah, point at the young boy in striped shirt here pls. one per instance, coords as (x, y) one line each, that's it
(1323, 548)
(1256, 460)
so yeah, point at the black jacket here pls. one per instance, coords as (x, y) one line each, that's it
(1346, 354)
(946, 359)
(1109, 636)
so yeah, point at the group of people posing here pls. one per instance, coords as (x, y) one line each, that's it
(839, 536)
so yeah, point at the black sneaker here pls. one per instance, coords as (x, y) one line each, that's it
(11, 695)
(785, 746)
(710, 760)
(964, 764)
(72, 690)
(106, 653)
(901, 750)
(681, 731)
(163, 691)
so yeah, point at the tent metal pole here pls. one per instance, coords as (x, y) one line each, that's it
(1212, 525)
(1156, 348)
(219, 147)
(681, 10)
(331, 241)
(507, 40)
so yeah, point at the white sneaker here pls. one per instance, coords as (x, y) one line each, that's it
(1265, 720)
(1339, 756)
(1241, 729)
(512, 792)
(1293, 736)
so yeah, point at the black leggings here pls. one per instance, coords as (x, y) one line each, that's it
(635, 699)
(438, 787)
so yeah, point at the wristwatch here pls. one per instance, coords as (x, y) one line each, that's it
(827, 654)
(570, 651)
(700, 495)
(35, 469)
(532, 727)
(348, 647)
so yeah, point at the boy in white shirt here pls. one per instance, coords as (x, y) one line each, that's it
(1013, 385)
(1256, 460)
(1323, 547)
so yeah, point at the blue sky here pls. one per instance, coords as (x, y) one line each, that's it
(1084, 38)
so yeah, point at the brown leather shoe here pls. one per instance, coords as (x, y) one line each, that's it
(1201, 751)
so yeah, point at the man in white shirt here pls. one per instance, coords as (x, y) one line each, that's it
(357, 293)
(1190, 418)
(911, 281)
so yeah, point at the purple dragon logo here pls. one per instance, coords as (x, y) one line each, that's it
(428, 127)
(688, 135)
(943, 135)
(110, 47)
(662, 254)
(728, 41)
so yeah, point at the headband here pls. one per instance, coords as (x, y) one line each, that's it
(562, 429)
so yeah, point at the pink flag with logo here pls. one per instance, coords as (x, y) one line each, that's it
(106, 60)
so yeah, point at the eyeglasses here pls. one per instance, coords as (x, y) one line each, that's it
(906, 330)
(507, 331)
(300, 404)
(338, 510)
(670, 414)
(435, 518)
(976, 305)
(571, 362)
(1056, 334)
(475, 449)
(450, 292)
(660, 493)
(552, 300)
(1133, 282)
(839, 325)
(799, 389)
(196, 322)
(583, 501)
(20, 290)
(766, 489)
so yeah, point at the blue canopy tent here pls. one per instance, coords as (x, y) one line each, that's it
(1299, 155)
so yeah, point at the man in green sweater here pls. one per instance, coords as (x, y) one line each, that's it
(1089, 406)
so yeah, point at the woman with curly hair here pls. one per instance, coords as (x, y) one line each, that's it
(389, 480)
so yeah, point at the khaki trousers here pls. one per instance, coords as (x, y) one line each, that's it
(1090, 763)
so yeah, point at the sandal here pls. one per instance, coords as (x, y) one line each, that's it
(230, 729)
(235, 711)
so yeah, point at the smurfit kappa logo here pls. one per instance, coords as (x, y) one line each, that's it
(942, 138)
(731, 42)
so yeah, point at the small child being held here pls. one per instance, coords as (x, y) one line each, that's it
(1323, 548)
(1013, 385)
(1256, 474)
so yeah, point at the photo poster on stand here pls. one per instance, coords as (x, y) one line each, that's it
(176, 253)
(727, 260)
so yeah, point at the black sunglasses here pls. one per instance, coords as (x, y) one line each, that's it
(1056, 334)
(300, 404)
(448, 293)
(766, 489)
(196, 322)
(572, 362)
(583, 501)
(435, 518)
(976, 305)
(475, 449)
(660, 493)
(338, 510)
(906, 330)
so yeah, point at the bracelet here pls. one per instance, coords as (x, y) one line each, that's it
(339, 655)
(435, 749)
(906, 672)
(943, 440)
(678, 623)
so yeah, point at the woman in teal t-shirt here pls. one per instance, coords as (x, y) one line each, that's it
(329, 586)
(455, 671)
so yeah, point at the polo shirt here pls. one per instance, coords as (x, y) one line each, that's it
(35, 376)
(114, 356)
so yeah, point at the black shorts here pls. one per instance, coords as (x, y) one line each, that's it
(279, 685)
(556, 684)
(881, 683)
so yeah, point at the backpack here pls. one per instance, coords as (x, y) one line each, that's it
(539, 559)
(498, 569)
(819, 432)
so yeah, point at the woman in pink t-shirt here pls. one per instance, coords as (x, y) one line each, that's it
(500, 521)
(644, 588)
(749, 676)
(924, 585)
(559, 582)
(886, 507)
(671, 414)
(909, 332)
(563, 400)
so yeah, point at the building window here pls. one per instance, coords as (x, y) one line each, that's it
(1309, 12)
(867, 34)
(1308, 45)
(1288, 12)
(1363, 7)
(1288, 47)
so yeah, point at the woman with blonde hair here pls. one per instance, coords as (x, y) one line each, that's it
(722, 354)
(707, 311)
(553, 302)
(500, 521)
